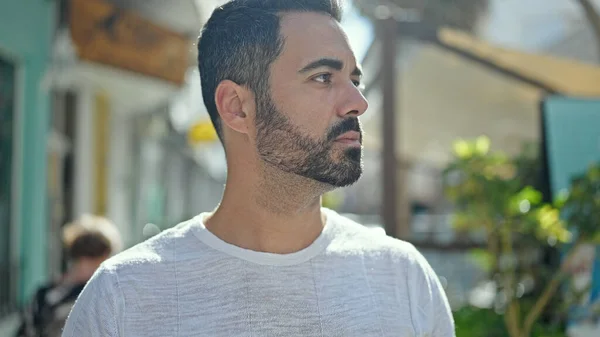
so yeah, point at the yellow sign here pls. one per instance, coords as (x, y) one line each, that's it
(107, 34)
(101, 144)
(202, 132)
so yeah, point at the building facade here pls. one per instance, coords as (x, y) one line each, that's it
(26, 32)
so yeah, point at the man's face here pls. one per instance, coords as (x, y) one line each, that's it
(308, 123)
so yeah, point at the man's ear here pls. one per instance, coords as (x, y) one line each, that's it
(229, 98)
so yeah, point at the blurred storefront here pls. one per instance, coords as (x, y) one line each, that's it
(108, 66)
(119, 70)
(24, 117)
(172, 184)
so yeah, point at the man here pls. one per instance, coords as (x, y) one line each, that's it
(88, 241)
(281, 85)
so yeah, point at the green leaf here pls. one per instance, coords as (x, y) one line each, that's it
(482, 145)
(524, 201)
(550, 225)
(596, 239)
(531, 194)
(482, 258)
(462, 149)
(561, 199)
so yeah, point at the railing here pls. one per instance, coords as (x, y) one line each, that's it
(430, 231)
(8, 289)
(435, 231)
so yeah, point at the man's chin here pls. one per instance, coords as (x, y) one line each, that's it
(342, 180)
(350, 169)
(349, 181)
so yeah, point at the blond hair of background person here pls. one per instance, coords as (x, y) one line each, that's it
(88, 242)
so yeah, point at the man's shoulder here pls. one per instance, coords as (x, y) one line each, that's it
(378, 250)
(371, 241)
(160, 251)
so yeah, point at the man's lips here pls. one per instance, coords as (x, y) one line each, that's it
(350, 137)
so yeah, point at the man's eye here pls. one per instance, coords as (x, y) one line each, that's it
(323, 78)
(356, 84)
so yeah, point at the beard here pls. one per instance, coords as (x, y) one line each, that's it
(284, 146)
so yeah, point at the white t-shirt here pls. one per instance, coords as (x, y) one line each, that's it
(351, 281)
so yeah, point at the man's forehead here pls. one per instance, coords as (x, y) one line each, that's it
(313, 35)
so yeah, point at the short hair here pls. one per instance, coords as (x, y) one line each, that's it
(91, 236)
(92, 245)
(241, 40)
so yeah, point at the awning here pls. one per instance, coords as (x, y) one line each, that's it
(564, 76)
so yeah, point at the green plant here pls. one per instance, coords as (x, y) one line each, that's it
(491, 192)
(477, 322)
(582, 205)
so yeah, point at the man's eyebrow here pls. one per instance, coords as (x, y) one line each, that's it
(329, 63)
(324, 62)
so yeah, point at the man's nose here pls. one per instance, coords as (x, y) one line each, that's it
(355, 104)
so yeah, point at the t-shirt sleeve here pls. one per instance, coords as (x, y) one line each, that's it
(438, 315)
(443, 325)
(98, 308)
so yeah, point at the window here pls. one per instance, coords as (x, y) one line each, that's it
(7, 122)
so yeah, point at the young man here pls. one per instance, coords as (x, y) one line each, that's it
(281, 84)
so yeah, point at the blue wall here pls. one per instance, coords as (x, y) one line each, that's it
(573, 138)
(26, 31)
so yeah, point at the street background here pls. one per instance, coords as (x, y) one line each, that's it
(481, 114)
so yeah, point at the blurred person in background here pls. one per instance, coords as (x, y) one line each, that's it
(88, 242)
(281, 85)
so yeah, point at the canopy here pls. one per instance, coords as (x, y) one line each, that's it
(563, 76)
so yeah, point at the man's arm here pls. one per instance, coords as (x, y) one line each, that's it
(98, 309)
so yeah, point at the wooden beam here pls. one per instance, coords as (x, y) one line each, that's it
(388, 33)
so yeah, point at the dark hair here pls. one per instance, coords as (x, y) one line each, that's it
(241, 40)
(90, 244)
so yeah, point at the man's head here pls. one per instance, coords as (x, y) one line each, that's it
(279, 78)
(91, 238)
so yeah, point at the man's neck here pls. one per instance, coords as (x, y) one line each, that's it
(273, 212)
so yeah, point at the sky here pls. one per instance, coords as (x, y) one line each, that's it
(359, 29)
(531, 25)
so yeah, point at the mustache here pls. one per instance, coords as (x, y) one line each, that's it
(350, 124)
